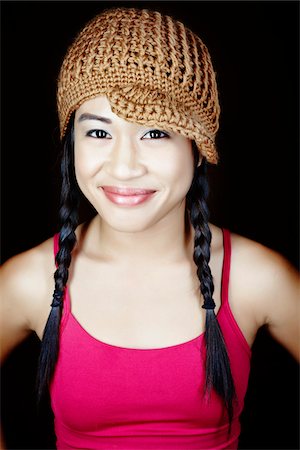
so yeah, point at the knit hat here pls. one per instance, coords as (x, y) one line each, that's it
(153, 70)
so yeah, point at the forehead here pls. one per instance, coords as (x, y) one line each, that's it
(99, 104)
(99, 109)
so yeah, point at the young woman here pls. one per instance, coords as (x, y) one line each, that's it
(147, 340)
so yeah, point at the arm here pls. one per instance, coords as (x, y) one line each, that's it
(14, 324)
(14, 318)
(26, 286)
(267, 291)
(282, 304)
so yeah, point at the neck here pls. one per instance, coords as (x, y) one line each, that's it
(169, 240)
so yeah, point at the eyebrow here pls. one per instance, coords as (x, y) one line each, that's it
(88, 116)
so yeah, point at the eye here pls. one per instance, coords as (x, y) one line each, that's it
(155, 134)
(98, 134)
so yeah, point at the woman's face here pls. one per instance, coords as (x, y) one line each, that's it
(135, 176)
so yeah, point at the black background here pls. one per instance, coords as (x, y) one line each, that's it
(254, 190)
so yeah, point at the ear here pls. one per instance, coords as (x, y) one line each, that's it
(198, 157)
(200, 160)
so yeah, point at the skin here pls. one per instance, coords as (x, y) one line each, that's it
(145, 249)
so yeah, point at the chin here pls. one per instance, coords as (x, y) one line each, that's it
(128, 224)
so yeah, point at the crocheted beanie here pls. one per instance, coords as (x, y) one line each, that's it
(153, 70)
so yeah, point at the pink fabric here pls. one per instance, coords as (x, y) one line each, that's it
(110, 397)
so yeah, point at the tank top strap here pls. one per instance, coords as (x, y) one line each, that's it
(56, 245)
(66, 301)
(226, 265)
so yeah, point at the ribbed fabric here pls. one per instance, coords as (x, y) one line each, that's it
(154, 71)
(110, 397)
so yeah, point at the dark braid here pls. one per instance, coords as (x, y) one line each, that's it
(68, 215)
(218, 373)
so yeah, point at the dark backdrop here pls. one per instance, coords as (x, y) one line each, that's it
(254, 189)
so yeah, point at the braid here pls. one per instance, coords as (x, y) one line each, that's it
(68, 215)
(218, 373)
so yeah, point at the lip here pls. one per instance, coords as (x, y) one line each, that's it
(127, 196)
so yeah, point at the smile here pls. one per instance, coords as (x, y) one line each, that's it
(124, 196)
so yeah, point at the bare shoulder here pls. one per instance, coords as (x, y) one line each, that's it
(28, 272)
(27, 284)
(261, 273)
(267, 285)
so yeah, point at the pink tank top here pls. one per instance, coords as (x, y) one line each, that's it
(109, 397)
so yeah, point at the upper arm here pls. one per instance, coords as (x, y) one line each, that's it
(282, 304)
(26, 285)
(14, 322)
(268, 289)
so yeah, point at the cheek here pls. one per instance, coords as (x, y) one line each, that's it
(81, 166)
(178, 170)
(87, 163)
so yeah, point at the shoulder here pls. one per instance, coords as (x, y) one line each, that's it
(260, 269)
(21, 270)
(26, 287)
(267, 285)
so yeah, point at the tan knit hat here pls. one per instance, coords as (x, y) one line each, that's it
(153, 70)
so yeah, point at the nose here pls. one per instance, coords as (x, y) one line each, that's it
(124, 161)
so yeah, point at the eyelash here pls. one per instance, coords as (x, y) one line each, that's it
(165, 135)
(103, 134)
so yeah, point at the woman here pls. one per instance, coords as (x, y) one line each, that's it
(153, 362)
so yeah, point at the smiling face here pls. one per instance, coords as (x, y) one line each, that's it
(134, 176)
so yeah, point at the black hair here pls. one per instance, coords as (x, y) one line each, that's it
(218, 373)
(68, 216)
